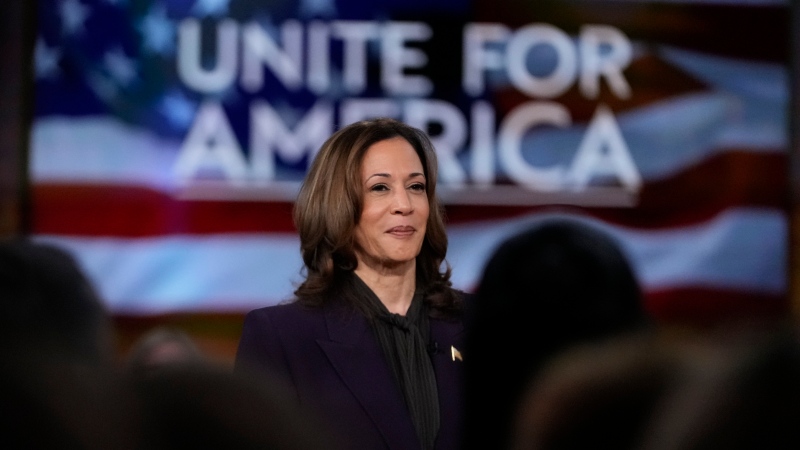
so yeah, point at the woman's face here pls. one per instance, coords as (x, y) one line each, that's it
(395, 212)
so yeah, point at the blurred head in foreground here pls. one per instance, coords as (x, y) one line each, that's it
(552, 286)
(47, 302)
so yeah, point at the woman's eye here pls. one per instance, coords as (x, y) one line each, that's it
(379, 187)
(417, 187)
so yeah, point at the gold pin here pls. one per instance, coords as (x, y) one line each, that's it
(455, 354)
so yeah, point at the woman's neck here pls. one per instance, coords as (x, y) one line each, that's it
(394, 287)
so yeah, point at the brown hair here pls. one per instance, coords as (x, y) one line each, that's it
(329, 205)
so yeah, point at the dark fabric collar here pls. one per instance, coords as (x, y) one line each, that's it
(404, 341)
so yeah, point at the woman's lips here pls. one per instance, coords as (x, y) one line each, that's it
(401, 231)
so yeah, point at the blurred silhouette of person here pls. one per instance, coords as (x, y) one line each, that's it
(60, 388)
(47, 302)
(187, 401)
(57, 382)
(735, 388)
(597, 395)
(743, 394)
(555, 285)
(163, 346)
(55, 403)
(198, 405)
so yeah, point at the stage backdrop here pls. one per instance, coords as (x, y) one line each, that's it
(170, 136)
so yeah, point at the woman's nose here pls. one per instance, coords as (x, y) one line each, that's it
(402, 203)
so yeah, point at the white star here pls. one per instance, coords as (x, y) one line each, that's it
(122, 68)
(102, 86)
(317, 8)
(46, 59)
(178, 109)
(73, 16)
(214, 8)
(158, 31)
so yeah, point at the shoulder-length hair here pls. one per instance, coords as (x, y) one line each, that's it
(328, 209)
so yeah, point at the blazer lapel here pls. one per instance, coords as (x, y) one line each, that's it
(449, 337)
(356, 356)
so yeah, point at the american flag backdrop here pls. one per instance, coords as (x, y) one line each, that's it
(170, 136)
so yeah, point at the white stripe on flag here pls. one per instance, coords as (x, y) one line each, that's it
(743, 249)
(181, 273)
(739, 249)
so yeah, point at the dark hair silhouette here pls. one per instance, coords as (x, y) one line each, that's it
(734, 388)
(47, 302)
(190, 406)
(56, 341)
(744, 394)
(598, 395)
(55, 402)
(60, 390)
(552, 286)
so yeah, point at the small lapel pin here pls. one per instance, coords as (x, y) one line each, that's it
(455, 354)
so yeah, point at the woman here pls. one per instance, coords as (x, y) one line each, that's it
(371, 341)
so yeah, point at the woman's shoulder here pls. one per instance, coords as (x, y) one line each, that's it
(291, 321)
(282, 311)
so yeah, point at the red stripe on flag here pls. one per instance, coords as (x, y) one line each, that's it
(123, 211)
(730, 179)
(698, 306)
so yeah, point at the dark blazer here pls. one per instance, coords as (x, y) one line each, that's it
(334, 364)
